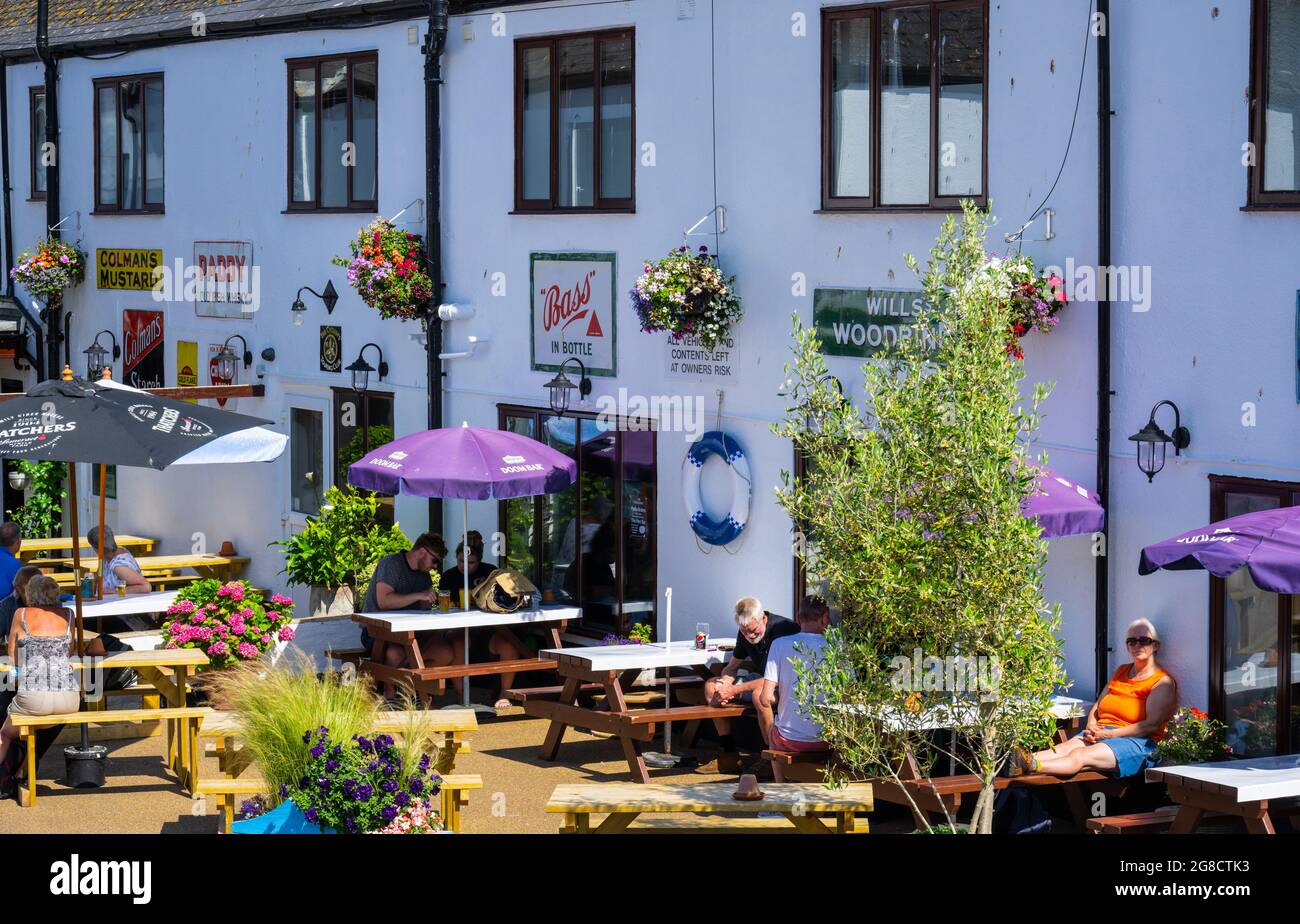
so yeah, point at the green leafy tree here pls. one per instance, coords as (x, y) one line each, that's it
(41, 516)
(341, 545)
(911, 512)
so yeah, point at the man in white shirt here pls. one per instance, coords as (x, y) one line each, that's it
(785, 726)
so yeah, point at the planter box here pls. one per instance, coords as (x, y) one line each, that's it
(331, 601)
(286, 818)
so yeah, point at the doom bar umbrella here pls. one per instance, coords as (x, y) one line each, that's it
(1266, 543)
(75, 421)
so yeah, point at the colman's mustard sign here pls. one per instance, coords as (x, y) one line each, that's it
(126, 268)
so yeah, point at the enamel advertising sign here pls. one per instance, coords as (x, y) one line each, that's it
(142, 341)
(572, 299)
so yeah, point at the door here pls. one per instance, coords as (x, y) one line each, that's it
(1254, 637)
(309, 473)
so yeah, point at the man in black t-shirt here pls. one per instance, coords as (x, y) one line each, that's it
(743, 673)
(401, 581)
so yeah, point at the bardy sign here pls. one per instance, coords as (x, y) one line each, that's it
(118, 268)
(572, 300)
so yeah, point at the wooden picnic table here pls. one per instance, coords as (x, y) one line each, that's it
(801, 804)
(1232, 787)
(401, 628)
(33, 547)
(613, 668)
(221, 567)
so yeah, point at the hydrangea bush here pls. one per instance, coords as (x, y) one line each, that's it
(54, 266)
(387, 270)
(229, 622)
(362, 786)
(686, 294)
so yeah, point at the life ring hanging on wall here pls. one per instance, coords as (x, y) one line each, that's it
(729, 528)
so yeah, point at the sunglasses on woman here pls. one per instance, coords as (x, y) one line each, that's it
(1140, 641)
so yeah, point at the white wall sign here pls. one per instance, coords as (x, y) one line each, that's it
(572, 299)
(687, 361)
(225, 272)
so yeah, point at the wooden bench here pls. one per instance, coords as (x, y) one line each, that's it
(453, 792)
(684, 714)
(188, 716)
(801, 766)
(1135, 823)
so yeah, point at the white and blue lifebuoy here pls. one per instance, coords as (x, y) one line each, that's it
(729, 528)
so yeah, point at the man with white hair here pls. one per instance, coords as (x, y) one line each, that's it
(743, 674)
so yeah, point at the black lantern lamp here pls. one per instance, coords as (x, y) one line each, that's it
(561, 385)
(227, 357)
(1152, 442)
(361, 369)
(97, 356)
(330, 297)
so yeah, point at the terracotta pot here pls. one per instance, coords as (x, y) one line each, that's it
(328, 601)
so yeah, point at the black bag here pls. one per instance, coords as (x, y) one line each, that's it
(118, 678)
(1019, 811)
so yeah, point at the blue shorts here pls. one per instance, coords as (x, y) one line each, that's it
(1132, 755)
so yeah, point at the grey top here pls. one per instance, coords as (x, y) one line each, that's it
(397, 574)
(44, 659)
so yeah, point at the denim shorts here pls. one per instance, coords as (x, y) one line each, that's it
(1132, 755)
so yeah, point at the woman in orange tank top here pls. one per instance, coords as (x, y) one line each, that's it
(1126, 722)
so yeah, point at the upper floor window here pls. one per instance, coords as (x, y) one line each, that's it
(37, 109)
(574, 122)
(334, 132)
(1275, 104)
(129, 144)
(904, 120)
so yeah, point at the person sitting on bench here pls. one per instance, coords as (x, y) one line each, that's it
(786, 725)
(1125, 724)
(401, 581)
(122, 569)
(743, 673)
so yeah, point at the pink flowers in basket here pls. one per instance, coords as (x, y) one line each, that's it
(229, 622)
(414, 818)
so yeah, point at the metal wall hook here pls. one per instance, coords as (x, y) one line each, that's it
(59, 225)
(1018, 236)
(719, 223)
(418, 220)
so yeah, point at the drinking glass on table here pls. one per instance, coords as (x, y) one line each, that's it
(444, 601)
(702, 635)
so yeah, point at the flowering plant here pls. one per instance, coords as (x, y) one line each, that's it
(56, 265)
(364, 786)
(1035, 300)
(229, 622)
(686, 294)
(1192, 737)
(639, 635)
(386, 270)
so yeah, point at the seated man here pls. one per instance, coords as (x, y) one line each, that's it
(786, 725)
(743, 673)
(401, 581)
(122, 569)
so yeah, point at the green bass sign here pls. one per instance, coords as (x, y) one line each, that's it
(864, 322)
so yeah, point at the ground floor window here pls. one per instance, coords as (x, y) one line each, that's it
(306, 460)
(361, 422)
(807, 577)
(593, 545)
(1254, 637)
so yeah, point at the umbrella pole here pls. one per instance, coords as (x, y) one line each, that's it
(464, 570)
(668, 672)
(76, 595)
(103, 484)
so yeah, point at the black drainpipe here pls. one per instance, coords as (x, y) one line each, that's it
(435, 44)
(8, 230)
(1104, 116)
(53, 321)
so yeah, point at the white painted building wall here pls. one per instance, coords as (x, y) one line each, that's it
(1219, 330)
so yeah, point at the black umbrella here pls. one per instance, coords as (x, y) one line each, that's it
(74, 421)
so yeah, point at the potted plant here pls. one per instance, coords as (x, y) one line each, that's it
(54, 266)
(1192, 737)
(687, 294)
(337, 550)
(1034, 301)
(229, 622)
(387, 270)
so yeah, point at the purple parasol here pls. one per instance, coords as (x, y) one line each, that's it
(470, 463)
(1064, 508)
(1266, 542)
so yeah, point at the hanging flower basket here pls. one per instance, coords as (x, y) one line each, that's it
(387, 270)
(1036, 300)
(687, 294)
(54, 266)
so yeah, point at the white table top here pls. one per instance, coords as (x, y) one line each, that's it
(426, 621)
(131, 605)
(932, 718)
(1249, 780)
(641, 657)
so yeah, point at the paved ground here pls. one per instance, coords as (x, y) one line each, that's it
(141, 797)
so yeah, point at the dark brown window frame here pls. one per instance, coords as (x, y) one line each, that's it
(1288, 494)
(354, 205)
(873, 11)
(147, 208)
(550, 206)
(32, 93)
(538, 414)
(1256, 196)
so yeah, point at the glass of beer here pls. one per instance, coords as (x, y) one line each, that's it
(121, 590)
(444, 601)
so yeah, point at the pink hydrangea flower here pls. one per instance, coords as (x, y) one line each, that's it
(217, 649)
(246, 651)
(286, 634)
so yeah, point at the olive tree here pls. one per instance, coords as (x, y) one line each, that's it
(911, 508)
